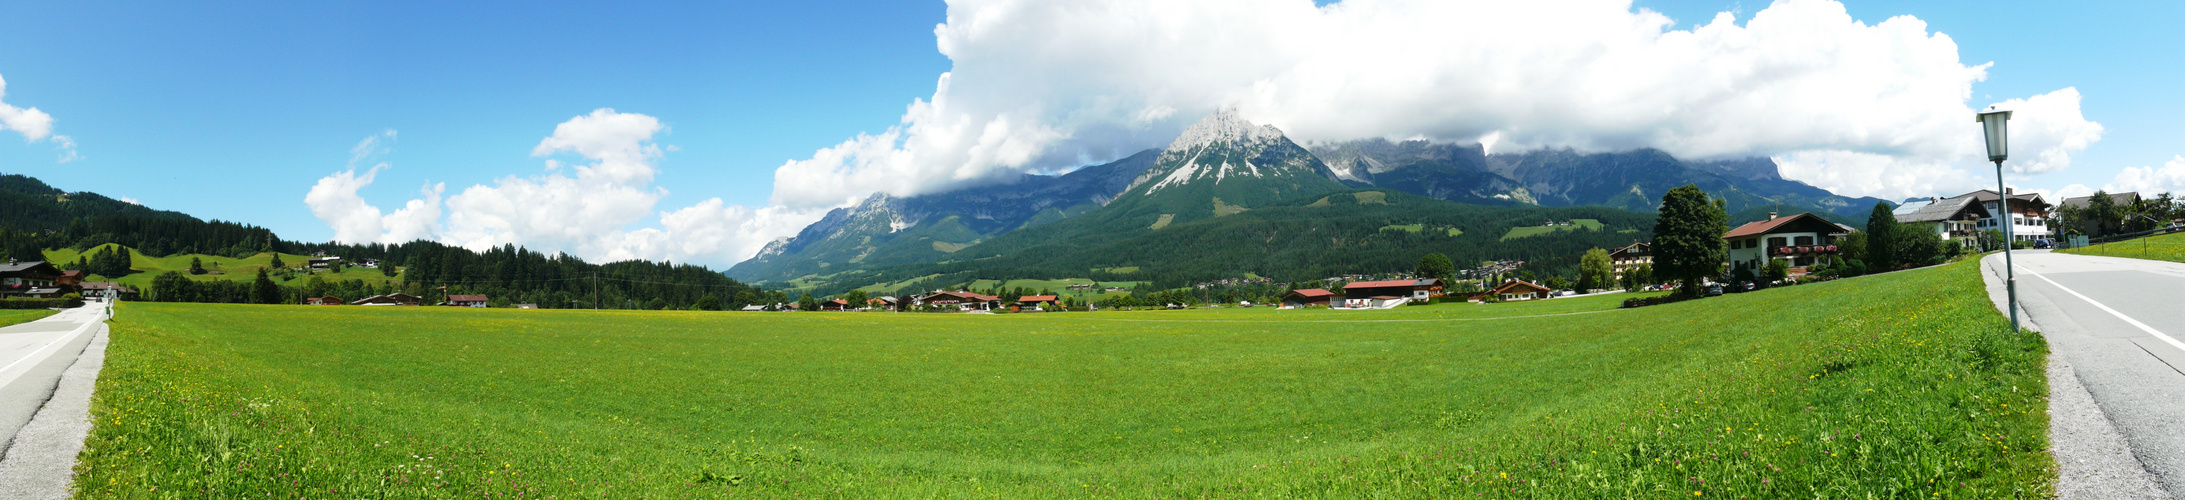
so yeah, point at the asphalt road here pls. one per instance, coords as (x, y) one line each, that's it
(2119, 326)
(32, 357)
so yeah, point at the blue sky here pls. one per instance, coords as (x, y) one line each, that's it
(233, 110)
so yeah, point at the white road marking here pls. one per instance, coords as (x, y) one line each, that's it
(2112, 312)
(65, 336)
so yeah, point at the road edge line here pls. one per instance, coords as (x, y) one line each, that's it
(2112, 312)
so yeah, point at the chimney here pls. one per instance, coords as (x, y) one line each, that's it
(2009, 190)
(1771, 215)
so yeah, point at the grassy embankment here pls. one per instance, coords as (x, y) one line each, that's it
(1576, 224)
(218, 268)
(1901, 385)
(20, 316)
(2170, 247)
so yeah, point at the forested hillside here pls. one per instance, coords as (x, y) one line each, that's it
(38, 222)
(1370, 231)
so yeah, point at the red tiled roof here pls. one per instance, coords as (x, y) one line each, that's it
(1766, 226)
(1312, 292)
(1380, 284)
(1519, 284)
(466, 298)
(1036, 298)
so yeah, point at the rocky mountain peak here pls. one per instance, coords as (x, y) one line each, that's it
(1223, 126)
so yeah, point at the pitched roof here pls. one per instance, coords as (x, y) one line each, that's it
(1311, 293)
(1381, 284)
(1634, 247)
(1771, 225)
(960, 295)
(23, 266)
(2118, 199)
(1036, 298)
(1988, 195)
(1519, 284)
(467, 298)
(1939, 210)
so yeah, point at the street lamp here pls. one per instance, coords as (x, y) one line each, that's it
(1997, 126)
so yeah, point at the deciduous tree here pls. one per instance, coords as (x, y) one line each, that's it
(1688, 233)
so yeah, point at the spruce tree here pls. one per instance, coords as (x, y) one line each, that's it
(1881, 238)
(263, 291)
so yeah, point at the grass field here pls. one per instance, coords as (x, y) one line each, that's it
(2170, 247)
(222, 268)
(1901, 385)
(20, 316)
(1521, 232)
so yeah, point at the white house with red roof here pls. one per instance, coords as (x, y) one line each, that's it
(1799, 240)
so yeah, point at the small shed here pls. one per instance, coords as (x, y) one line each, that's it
(834, 305)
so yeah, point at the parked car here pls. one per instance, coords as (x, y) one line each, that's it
(1746, 286)
(1714, 290)
(2040, 244)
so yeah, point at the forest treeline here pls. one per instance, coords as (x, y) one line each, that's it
(35, 217)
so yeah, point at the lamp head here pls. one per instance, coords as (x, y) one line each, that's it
(1996, 124)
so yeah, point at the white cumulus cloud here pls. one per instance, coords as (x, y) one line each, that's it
(587, 208)
(35, 126)
(2150, 180)
(335, 200)
(1882, 109)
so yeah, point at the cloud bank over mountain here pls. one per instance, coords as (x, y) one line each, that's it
(1883, 109)
(1863, 109)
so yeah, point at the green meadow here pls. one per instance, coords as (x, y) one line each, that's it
(2170, 247)
(218, 268)
(20, 316)
(1576, 224)
(1901, 385)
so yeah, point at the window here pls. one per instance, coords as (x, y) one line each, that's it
(1805, 240)
(1775, 242)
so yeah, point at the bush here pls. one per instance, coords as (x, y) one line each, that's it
(37, 303)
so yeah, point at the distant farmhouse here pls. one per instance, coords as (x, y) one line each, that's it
(1516, 290)
(1310, 297)
(967, 301)
(460, 300)
(2028, 214)
(1036, 303)
(33, 279)
(1953, 219)
(1639, 253)
(1388, 294)
(1798, 240)
(392, 299)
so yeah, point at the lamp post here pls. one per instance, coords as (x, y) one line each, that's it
(1997, 126)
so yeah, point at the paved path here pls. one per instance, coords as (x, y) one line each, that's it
(32, 357)
(2114, 328)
